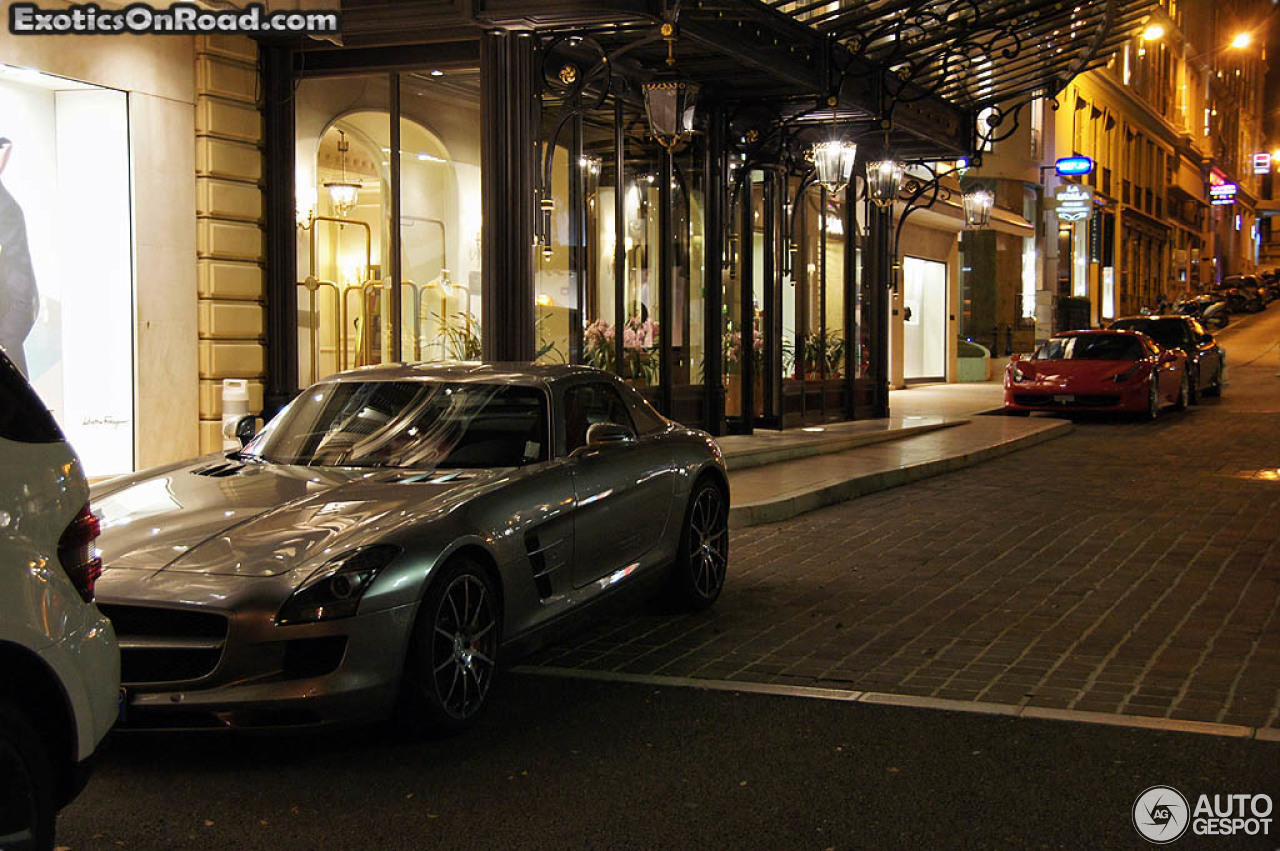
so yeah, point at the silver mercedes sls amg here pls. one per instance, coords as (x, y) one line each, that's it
(392, 534)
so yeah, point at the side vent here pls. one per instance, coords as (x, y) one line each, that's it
(538, 561)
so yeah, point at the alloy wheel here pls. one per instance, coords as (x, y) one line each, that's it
(464, 645)
(708, 541)
(1184, 393)
(1153, 402)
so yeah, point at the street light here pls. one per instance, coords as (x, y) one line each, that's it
(1153, 32)
(1241, 41)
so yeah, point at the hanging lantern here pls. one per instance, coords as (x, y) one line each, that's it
(834, 161)
(670, 105)
(977, 207)
(343, 194)
(884, 179)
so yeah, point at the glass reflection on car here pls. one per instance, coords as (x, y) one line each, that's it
(408, 424)
(1092, 347)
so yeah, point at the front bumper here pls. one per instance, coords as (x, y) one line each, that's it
(277, 676)
(1034, 396)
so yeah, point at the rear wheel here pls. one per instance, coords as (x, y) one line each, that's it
(1184, 393)
(1215, 386)
(27, 809)
(699, 572)
(453, 651)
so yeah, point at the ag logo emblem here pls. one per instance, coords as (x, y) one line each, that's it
(1161, 814)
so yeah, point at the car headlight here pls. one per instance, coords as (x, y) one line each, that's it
(1016, 373)
(335, 588)
(1128, 373)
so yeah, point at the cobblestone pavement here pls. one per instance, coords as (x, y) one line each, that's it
(1128, 567)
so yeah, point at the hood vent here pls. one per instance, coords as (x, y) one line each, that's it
(437, 478)
(218, 471)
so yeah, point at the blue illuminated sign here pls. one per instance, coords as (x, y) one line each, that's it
(1074, 165)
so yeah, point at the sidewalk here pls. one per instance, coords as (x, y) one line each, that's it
(934, 429)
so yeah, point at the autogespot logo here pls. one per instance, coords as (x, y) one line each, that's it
(1160, 814)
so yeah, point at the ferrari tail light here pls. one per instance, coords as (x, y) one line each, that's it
(79, 557)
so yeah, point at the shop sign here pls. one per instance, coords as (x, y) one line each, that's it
(1222, 194)
(1075, 202)
(1261, 163)
(1073, 165)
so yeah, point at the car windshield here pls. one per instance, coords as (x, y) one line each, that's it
(408, 424)
(1092, 347)
(1166, 332)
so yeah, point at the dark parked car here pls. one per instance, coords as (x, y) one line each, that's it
(1242, 298)
(1206, 361)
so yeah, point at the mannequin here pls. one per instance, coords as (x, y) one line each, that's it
(19, 298)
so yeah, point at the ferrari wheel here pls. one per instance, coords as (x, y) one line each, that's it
(1193, 396)
(699, 572)
(453, 652)
(1184, 393)
(27, 809)
(1153, 396)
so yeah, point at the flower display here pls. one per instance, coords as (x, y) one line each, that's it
(640, 341)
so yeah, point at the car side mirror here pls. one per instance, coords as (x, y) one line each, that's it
(609, 434)
(1014, 358)
(246, 427)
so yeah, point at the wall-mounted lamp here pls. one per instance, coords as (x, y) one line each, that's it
(670, 105)
(884, 181)
(977, 203)
(834, 162)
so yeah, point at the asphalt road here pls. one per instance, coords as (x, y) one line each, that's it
(561, 763)
(564, 763)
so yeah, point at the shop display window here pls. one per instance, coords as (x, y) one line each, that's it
(66, 257)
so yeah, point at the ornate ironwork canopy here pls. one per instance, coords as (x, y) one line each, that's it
(973, 53)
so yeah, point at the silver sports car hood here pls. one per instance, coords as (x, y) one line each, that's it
(259, 519)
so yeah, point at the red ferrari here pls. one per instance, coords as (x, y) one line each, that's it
(1097, 371)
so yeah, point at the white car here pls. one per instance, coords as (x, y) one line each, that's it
(59, 665)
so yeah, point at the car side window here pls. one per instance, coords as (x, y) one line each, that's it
(588, 404)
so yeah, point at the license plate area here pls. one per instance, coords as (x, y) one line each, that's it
(1064, 400)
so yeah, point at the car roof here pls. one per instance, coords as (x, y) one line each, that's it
(479, 372)
(1120, 332)
(1151, 316)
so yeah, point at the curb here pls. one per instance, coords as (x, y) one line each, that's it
(784, 508)
(972, 707)
(765, 455)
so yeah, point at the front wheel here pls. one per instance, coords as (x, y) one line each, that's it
(27, 810)
(699, 572)
(1193, 396)
(453, 651)
(1153, 395)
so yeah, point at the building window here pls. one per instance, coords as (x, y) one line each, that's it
(347, 237)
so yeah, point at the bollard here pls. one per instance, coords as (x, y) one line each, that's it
(235, 404)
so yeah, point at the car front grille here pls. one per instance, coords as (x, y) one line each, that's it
(160, 645)
(1077, 401)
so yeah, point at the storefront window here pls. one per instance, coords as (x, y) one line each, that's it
(641, 341)
(66, 304)
(347, 234)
